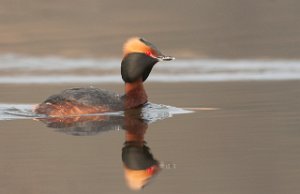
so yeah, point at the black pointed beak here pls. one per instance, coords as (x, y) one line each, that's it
(165, 58)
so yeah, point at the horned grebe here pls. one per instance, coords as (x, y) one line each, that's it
(139, 58)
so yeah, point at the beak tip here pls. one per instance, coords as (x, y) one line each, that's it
(166, 58)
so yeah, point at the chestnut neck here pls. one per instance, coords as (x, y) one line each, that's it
(135, 94)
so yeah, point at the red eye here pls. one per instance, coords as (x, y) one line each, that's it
(149, 53)
(151, 170)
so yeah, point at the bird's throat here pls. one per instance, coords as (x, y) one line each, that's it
(135, 94)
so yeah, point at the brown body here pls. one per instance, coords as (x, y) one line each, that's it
(135, 95)
(68, 109)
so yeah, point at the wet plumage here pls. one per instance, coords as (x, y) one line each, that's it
(78, 100)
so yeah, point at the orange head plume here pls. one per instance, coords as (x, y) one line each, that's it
(140, 45)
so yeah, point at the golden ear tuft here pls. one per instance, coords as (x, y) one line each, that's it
(135, 45)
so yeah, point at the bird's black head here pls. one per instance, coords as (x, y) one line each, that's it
(136, 66)
(139, 58)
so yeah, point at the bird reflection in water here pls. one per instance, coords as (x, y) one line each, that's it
(139, 164)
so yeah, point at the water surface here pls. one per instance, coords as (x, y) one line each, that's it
(250, 144)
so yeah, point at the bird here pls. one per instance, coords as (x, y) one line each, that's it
(139, 57)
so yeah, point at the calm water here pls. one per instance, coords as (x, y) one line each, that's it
(250, 144)
(243, 138)
(139, 164)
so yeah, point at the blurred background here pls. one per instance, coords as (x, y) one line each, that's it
(232, 29)
(245, 139)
